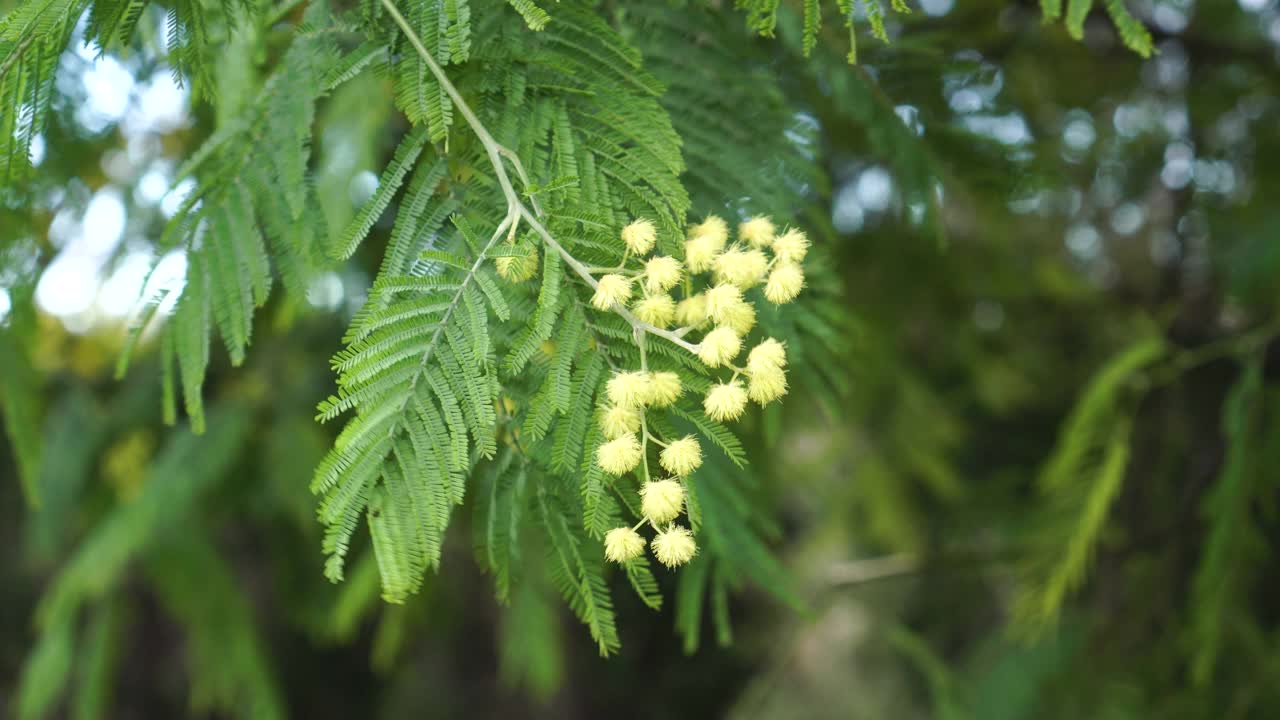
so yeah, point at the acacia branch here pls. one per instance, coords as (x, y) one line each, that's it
(496, 152)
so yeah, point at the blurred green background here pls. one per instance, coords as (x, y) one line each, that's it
(1045, 254)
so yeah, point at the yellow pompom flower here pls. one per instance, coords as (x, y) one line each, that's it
(692, 311)
(674, 546)
(661, 274)
(784, 284)
(661, 500)
(699, 253)
(758, 231)
(664, 388)
(767, 384)
(611, 290)
(791, 246)
(622, 544)
(720, 299)
(682, 456)
(719, 347)
(714, 228)
(639, 236)
(768, 354)
(744, 268)
(657, 310)
(740, 318)
(618, 420)
(620, 455)
(725, 401)
(628, 389)
(517, 268)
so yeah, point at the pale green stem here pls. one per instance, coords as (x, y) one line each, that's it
(644, 426)
(654, 438)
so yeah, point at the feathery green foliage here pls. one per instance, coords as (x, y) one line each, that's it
(762, 19)
(177, 481)
(1133, 33)
(235, 225)
(1082, 479)
(32, 38)
(1235, 543)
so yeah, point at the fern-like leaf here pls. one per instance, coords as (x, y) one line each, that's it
(1235, 543)
(423, 389)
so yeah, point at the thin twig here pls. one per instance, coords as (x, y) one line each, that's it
(857, 572)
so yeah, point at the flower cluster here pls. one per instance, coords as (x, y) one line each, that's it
(622, 421)
(715, 279)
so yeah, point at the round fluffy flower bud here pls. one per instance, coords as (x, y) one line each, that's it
(767, 384)
(692, 311)
(639, 236)
(768, 354)
(620, 455)
(713, 228)
(622, 544)
(682, 456)
(629, 389)
(720, 299)
(657, 310)
(674, 546)
(725, 401)
(664, 388)
(611, 290)
(618, 420)
(740, 318)
(517, 268)
(758, 231)
(700, 253)
(784, 283)
(662, 500)
(719, 347)
(661, 274)
(744, 268)
(791, 246)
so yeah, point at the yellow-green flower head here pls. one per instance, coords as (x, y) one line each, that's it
(784, 284)
(662, 500)
(757, 232)
(767, 384)
(611, 290)
(618, 420)
(721, 299)
(622, 544)
(719, 347)
(700, 253)
(791, 246)
(744, 268)
(664, 388)
(517, 268)
(628, 389)
(661, 274)
(620, 455)
(657, 310)
(725, 401)
(639, 236)
(682, 456)
(674, 546)
(768, 354)
(740, 318)
(714, 228)
(692, 311)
